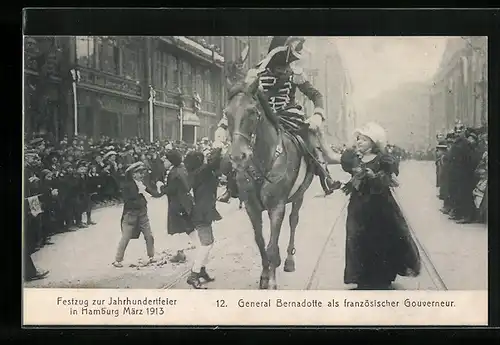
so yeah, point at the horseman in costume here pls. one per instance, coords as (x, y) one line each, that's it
(279, 77)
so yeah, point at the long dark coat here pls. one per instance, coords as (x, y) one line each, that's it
(180, 202)
(379, 245)
(463, 162)
(204, 181)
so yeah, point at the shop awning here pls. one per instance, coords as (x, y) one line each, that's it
(190, 119)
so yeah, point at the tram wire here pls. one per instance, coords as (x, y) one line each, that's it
(325, 246)
(428, 264)
(420, 245)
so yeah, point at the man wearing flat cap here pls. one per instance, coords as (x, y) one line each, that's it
(110, 172)
(82, 197)
(50, 203)
(135, 218)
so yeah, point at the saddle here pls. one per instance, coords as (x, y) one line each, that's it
(297, 130)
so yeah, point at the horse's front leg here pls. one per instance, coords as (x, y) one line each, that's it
(255, 215)
(294, 221)
(276, 216)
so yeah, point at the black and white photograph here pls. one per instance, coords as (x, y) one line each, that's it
(255, 162)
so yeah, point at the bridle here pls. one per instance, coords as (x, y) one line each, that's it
(250, 139)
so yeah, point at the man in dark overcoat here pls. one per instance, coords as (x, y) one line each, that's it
(204, 177)
(180, 202)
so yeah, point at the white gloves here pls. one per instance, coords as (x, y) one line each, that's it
(315, 122)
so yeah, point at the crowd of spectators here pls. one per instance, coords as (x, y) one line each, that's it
(462, 174)
(64, 181)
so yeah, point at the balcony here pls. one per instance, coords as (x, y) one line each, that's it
(111, 82)
(172, 98)
(168, 97)
(187, 43)
(209, 107)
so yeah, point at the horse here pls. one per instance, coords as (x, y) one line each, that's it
(272, 171)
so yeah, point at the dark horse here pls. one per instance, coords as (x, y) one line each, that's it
(272, 171)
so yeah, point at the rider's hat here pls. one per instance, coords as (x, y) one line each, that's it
(277, 41)
(290, 47)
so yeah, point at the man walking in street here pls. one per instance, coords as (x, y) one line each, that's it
(135, 218)
(204, 181)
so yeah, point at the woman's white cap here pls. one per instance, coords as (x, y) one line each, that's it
(375, 132)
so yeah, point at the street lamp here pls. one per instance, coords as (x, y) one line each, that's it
(75, 77)
(181, 104)
(152, 95)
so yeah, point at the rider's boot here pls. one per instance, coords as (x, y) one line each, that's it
(327, 183)
(324, 155)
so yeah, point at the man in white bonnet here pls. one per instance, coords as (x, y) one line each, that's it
(221, 135)
(221, 140)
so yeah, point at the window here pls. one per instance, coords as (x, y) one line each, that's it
(164, 71)
(131, 63)
(187, 77)
(207, 95)
(173, 72)
(85, 51)
(157, 80)
(201, 82)
(108, 55)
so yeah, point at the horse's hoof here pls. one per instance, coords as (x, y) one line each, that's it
(289, 266)
(264, 284)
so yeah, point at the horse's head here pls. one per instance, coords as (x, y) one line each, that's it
(243, 115)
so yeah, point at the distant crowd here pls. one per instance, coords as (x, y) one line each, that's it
(64, 181)
(462, 174)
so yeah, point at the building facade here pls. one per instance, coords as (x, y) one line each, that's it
(459, 88)
(47, 97)
(124, 82)
(324, 68)
(404, 113)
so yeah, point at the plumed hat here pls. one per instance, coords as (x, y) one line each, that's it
(284, 50)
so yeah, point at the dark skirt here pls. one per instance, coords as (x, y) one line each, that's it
(178, 221)
(379, 245)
